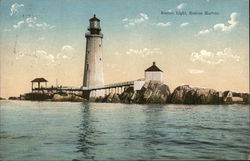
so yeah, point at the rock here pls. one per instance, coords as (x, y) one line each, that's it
(108, 98)
(179, 93)
(36, 96)
(246, 98)
(194, 95)
(154, 92)
(69, 97)
(1, 98)
(22, 97)
(116, 98)
(151, 92)
(14, 98)
(99, 99)
(128, 95)
(92, 99)
(112, 98)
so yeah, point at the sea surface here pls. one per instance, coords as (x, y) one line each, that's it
(103, 131)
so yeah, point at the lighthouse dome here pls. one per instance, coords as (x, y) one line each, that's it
(94, 19)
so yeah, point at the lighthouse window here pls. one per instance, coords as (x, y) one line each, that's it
(100, 59)
(87, 67)
(88, 52)
(100, 45)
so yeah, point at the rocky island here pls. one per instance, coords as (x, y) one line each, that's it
(159, 93)
(152, 92)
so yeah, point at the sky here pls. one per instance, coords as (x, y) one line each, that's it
(44, 38)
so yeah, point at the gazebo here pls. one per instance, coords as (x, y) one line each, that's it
(38, 81)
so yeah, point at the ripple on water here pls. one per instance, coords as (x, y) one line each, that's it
(47, 131)
(22, 137)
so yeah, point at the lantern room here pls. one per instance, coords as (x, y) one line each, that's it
(94, 25)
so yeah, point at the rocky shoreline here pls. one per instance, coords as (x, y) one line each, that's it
(158, 93)
(151, 93)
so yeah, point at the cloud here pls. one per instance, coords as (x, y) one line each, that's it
(231, 23)
(132, 22)
(195, 71)
(19, 55)
(214, 58)
(18, 24)
(222, 27)
(44, 25)
(31, 20)
(67, 52)
(145, 16)
(162, 24)
(7, 30)
(142, 18)
(43, 55)
(117, 53)
(184, 24)
(14, 8)
(181, 6)
(32, 23)
(203, 32)
(144, 52)
(67, 48)
(125, 19)
(38, 56)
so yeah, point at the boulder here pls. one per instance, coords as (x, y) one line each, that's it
(194, 95)
(111, 98)
(13, 98)
(98, 99)
(36, 96)
(69, 97)
(151, 92)
(128, 95)
(116, 98)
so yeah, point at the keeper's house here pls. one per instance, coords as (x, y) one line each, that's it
(154, 73)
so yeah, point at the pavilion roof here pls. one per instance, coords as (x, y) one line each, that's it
(39, 80)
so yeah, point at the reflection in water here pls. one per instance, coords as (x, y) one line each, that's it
(87, 133)
(153, 135)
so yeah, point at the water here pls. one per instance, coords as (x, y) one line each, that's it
(67, 131)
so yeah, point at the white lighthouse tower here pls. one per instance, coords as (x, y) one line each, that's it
(93, 69)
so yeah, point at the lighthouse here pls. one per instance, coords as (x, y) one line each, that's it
(93, 68)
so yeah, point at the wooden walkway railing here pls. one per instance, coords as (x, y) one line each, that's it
(114, 85)
(62, 88)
